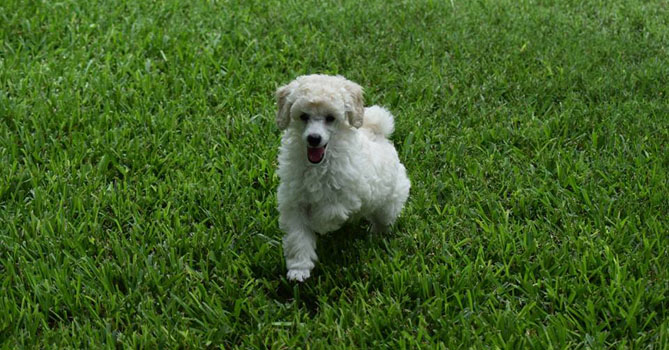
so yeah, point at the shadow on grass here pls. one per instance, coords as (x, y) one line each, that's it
(343, 257)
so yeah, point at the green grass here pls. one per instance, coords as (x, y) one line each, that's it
(138, 175)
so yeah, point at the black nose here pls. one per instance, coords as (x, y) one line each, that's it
(314, 140)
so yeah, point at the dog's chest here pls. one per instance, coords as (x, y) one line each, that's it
(324, 218)
(327, 208)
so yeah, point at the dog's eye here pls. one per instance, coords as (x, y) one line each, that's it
(329, 119)
(304, 117)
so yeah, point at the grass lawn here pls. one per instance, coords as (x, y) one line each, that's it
(138, 175)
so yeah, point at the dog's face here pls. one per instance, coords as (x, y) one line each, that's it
(318, 106)
(318, 124)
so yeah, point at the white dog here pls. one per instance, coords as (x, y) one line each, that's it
(335, 163)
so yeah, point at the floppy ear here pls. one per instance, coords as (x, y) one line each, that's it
(283, 105)
(355, 108)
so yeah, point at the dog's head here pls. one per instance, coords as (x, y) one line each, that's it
(318, 106)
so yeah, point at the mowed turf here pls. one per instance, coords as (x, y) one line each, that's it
(138, 175)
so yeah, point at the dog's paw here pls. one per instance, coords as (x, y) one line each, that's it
(380, 229)
(298, 275)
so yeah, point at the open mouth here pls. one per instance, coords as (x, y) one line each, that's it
(316, 154)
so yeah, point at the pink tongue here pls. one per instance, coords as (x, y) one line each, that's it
(315, 154)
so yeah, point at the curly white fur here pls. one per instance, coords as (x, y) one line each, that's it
(335, 162)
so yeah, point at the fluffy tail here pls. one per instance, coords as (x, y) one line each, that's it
(378, 120)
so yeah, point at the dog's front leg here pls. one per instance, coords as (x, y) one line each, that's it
(299, 246)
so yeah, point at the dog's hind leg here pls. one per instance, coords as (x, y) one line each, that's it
(385, 216)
